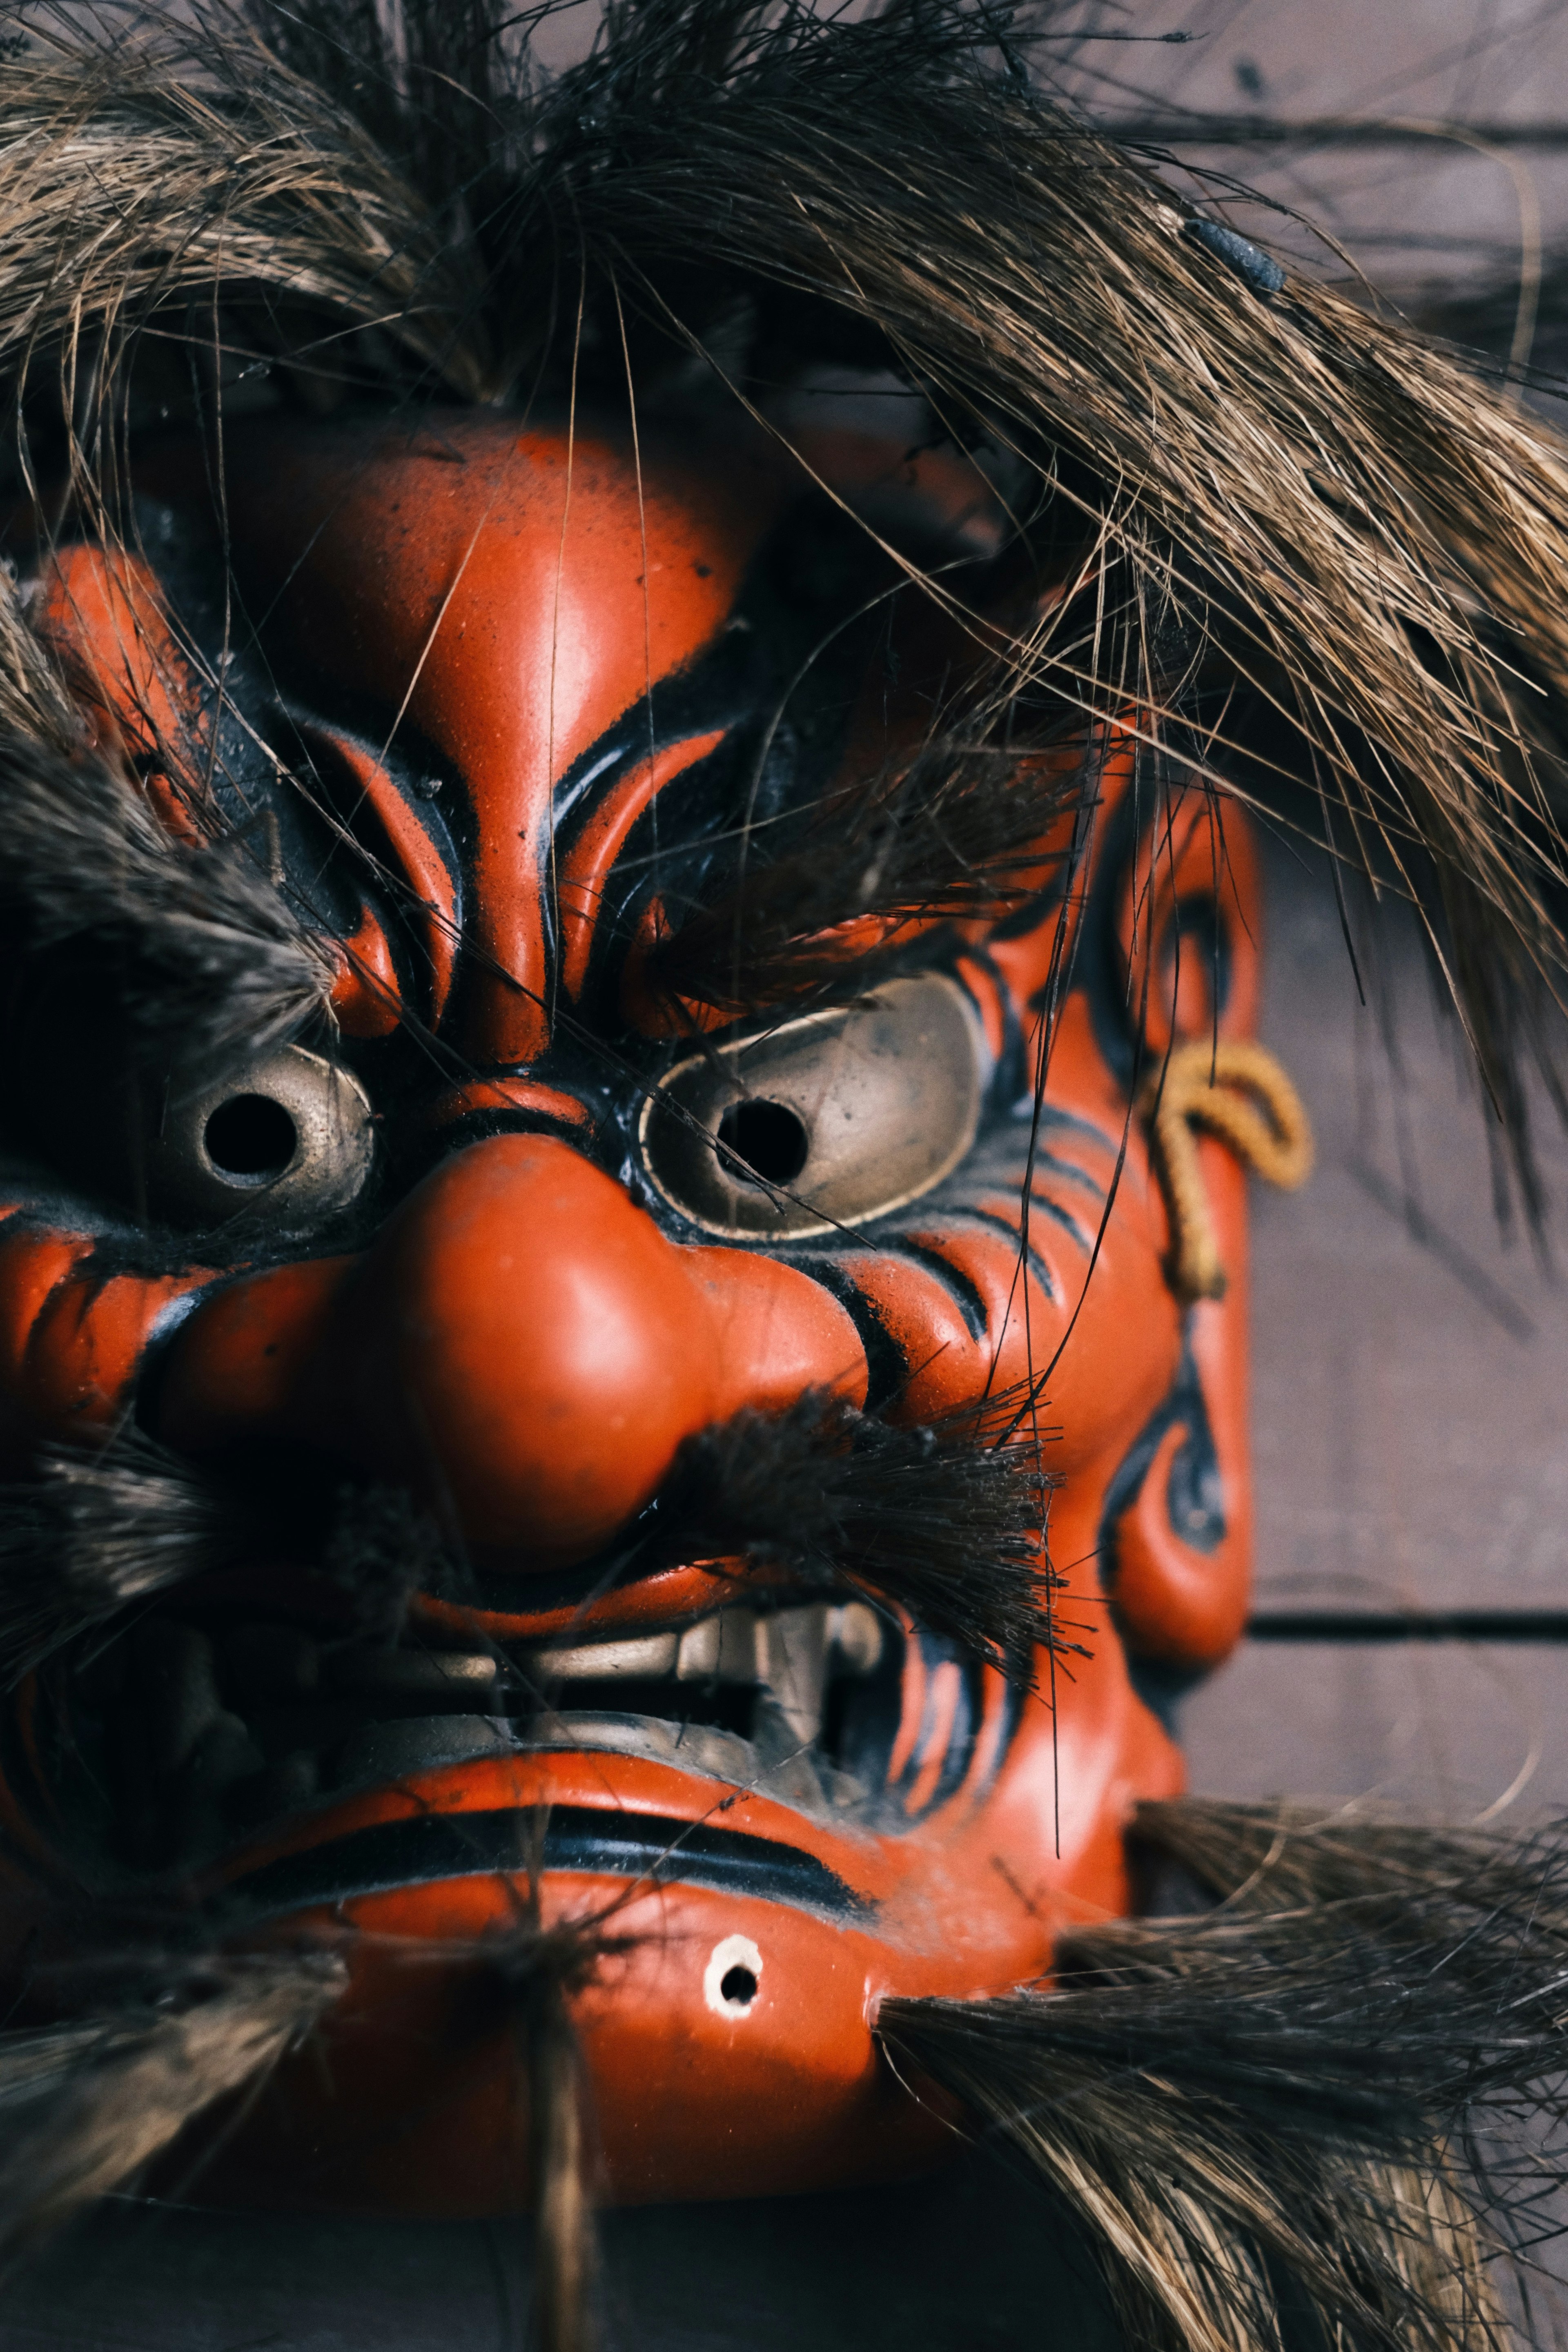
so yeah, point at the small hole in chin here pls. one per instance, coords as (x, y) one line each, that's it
(250, 1139)
(769, 1137)
(739, 1987)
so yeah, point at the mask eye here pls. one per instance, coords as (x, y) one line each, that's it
(852, 1112)
(290, 1134)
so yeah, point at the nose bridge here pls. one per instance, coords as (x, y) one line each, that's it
(523, 1345)
(511, 595)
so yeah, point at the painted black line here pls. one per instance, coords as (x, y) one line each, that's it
(966, 1296)
(1043, 1275)
(430, 1846)
(1070, 1169)
(887, 1370)
(1063, 1217)
(1356, 1625)
(1056, 1121)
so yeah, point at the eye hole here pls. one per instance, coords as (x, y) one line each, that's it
(250, 1139)
(829, 1120)
(291, 1133)
(770, 1138)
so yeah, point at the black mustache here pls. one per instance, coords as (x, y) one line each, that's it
(93, 1534)
(947, 1519)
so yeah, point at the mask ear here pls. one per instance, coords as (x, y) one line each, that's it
(1188, 916)
(1176, 1533)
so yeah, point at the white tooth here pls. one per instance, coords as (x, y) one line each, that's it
(722, 1649)
(857, 1635)
(693, 1747)
(792, 1659)
(649, 1657)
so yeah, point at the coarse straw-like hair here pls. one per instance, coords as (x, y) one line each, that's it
(87, 2106)
(1235, 493)
(95, 1530)
(200, 956)
(1334, 2087)
(946, 1518)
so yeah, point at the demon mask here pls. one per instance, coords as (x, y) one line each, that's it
(623, 1381)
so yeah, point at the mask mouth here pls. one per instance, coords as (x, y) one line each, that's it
(199, 1727)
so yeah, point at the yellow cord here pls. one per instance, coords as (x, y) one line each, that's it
(1209, 1086)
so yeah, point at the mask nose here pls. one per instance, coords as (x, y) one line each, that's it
(522, 1346)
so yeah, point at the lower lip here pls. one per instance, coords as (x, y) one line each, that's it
(614, 1814)
(693, 2096)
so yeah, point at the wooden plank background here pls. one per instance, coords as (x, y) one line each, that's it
(1410, 1414)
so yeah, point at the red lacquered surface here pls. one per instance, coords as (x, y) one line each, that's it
(527, 1346)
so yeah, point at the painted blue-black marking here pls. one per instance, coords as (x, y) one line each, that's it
(1070, 1171)
(955, 1215)
(1053, 1121)
(430, 1846)
(966, 1295)
(1063, 1217)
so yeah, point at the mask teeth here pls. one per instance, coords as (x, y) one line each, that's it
(208, 1731)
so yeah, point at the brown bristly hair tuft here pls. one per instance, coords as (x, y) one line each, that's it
(95, 1531)
(947, 1519)
(1319, 2090)
(201, 959)
(537, 1969)
(91, 1532)
(1254, 496)
(86, 2106)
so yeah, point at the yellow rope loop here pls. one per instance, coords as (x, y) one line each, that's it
(1238, 1093)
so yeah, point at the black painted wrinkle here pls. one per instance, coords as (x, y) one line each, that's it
(887, 1372)
(431, 1846)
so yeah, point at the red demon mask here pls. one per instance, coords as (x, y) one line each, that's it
(588, 1367)
(627, 1021)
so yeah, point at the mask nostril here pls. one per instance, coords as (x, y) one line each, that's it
(767, 1139)
(250, 1139)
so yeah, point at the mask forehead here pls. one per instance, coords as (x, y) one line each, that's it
(506, 597)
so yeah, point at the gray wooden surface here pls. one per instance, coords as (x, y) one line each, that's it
(1410, 1418)
(973, 2262)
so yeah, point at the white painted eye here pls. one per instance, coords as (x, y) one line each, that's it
(289, 1134)
(733, 1976)
(829, 1120)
